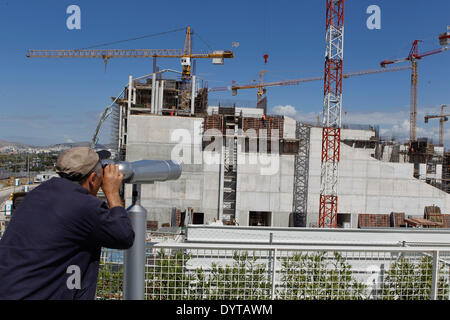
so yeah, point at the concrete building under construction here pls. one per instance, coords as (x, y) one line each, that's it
(268, 168)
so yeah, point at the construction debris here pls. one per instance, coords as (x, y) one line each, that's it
(373, 221)
(397, 219)
(419, 222)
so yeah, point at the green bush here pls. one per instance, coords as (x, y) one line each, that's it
(244, 279)
(312, 276)
(109, 283)
(167, 279)
(410, 280)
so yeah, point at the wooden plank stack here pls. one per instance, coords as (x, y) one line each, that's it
(397, 219)
(373, 220)
(433, 213)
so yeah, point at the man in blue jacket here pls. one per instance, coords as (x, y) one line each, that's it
(51, 248)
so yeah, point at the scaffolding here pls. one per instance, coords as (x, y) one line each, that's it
(301, 173)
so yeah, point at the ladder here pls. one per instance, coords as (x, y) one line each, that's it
(229, 179)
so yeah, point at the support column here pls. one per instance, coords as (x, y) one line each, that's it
(435, 276)
(120, 126)
(134, 258)
(130, 92)
(161, 96)
(156, 96)
(153, 92)
(193, 96)
(221, 178)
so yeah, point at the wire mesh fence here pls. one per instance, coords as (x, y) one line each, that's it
(184, 272)
(110, 275)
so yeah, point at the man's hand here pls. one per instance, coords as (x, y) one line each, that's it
(112, 179)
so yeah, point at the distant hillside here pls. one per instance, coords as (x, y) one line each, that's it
(80, 144)
(20, 147)
(4, 143)
(72, 144)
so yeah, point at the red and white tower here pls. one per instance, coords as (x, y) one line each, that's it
(332, 109)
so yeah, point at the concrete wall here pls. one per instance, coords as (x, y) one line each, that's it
(367, 185)
(264, 186)
(268, 185)
(266, 191)
(151, 137)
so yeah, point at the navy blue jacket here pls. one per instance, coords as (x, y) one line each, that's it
(56, 226)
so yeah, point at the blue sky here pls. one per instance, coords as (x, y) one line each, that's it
(57, 100)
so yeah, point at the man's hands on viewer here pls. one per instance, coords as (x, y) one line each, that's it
(112, 179)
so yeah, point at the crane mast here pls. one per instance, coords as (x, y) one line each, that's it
(332, 114)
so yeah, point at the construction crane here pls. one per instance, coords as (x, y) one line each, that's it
(185, 54)
(332, 114)
(413, 57)
(261, 90)
(442, 119)
(262, 85)
(444, 38)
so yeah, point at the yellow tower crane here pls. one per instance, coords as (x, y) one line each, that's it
(186, 54)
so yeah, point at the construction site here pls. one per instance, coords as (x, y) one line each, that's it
(338, 192)
(324, 174)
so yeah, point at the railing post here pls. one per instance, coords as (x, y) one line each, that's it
(272, 294)
(435, 275)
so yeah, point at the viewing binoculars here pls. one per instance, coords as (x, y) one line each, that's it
(146, 171)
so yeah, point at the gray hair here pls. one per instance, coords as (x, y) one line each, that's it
(98, 169)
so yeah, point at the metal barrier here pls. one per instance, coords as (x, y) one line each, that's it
(262, 272)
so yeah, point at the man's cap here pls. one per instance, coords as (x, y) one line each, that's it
(76, 163)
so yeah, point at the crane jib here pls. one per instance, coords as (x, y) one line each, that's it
(125, 53)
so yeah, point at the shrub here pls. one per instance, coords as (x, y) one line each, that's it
(312, 276)
(408, 279)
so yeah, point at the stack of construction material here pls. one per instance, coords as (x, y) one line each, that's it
(214, 121)
(373, 220)
(446, 221)
(422, 223)
(152, 225)
(397, 219)
(271, 123)
(433, 213)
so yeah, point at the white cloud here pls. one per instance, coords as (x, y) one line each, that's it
(292, 112)
(393, 123)
(68, 139)
(287, 110)
(396, 123)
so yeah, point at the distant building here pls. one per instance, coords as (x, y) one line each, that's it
(42, 177)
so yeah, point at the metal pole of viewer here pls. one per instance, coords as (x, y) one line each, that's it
(134, 258)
